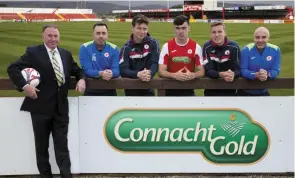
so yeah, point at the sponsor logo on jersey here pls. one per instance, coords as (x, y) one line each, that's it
(183, 59)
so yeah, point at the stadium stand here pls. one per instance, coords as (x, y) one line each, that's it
(204, 10)
(9, 16)
(42, 16)
(39, 14)
(74, 16)
(211, 14)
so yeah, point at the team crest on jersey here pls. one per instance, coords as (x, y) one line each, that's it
(146, 46)
(106, 54)
(226, 52)
(189, 51)
(268, 58)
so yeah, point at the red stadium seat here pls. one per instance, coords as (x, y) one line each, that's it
(9, 16)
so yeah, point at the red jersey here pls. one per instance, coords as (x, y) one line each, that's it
(177, 57)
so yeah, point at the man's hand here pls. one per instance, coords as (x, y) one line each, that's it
(229, 76)
(179, 75)
(107, 75)
(223, 74)
(189, 75)
(81, 85)
(262, 75)
(30, 91)
(110, 72)
(144, 75)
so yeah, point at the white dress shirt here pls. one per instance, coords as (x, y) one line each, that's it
(58, 58)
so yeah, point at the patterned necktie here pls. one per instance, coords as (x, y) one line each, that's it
(56, 68)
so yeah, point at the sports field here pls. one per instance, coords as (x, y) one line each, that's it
(15, 37)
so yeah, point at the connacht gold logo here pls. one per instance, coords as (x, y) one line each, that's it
(222, 136)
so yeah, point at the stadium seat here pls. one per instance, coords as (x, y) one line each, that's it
(9, 16)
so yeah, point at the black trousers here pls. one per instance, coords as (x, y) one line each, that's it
(243, 93)
(177, 92)
(97, 92)
(221, 92)
(56, 124)
(140, 92)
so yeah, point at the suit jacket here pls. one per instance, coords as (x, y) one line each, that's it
(51, 98)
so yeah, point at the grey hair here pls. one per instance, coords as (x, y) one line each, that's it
(49, 26)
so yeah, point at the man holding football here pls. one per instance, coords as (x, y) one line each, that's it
(48, 106)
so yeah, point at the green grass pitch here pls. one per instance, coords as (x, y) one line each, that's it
(15, 37)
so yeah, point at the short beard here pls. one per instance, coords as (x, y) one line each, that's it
(99, 46)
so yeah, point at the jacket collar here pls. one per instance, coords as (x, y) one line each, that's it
(226, 40)
(145, 39)
(49, 50)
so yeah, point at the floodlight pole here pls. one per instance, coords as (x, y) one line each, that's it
(223, 11)
(168, 9)
(129, 10)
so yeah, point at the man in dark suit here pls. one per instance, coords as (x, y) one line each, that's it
(48, 103)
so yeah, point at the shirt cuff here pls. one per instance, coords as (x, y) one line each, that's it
(25, 86)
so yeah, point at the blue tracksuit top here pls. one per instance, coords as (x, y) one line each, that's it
(92, 60)
(252, 60)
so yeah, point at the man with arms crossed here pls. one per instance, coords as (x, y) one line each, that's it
(221, 59)
(260, 61)
(48, 103)
(100, 59)
(139, 56)
(181, 58)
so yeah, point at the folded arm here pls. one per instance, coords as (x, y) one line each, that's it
(124, 64)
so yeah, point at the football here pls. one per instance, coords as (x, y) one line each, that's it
(32, 76)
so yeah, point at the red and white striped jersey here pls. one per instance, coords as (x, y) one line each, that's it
(177, 57)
